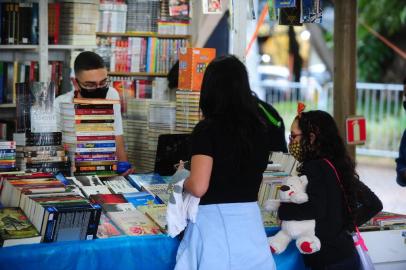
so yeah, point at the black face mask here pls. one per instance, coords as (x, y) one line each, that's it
(404, 105)
(96, 93)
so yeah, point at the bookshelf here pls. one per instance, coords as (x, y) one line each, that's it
(143, 34)
(136, 74)
(42, 52)
(19, 47)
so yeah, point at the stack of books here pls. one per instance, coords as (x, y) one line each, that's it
(89, 136)
(187, 110)
(136, 134)
(41, 152)
(7, 156)
(161, 120)
(79, 21)
(112, 17)
(142, 15)
(146, 121)
(174, 17)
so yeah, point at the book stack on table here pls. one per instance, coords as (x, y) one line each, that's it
(89, 136)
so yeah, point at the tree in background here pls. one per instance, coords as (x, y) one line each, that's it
(387, 17)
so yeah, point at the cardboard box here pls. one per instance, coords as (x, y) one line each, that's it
(192, 64)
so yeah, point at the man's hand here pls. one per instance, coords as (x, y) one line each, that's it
(124, 168)
(128, 172)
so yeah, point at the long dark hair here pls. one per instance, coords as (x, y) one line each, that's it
(329, 144)
(226, 97)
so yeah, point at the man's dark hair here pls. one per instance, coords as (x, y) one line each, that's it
(404, 81)
(88, 61)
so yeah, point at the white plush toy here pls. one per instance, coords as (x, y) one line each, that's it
(294, 191)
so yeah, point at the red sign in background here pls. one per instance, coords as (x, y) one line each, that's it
(356, 130)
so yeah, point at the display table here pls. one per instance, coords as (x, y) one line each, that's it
(153, 252)
(387, 248)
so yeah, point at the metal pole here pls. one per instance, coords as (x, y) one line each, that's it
(239, 33)
(43, 40)
(345, 67)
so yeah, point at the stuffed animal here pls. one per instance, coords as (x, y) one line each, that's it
(294, 191)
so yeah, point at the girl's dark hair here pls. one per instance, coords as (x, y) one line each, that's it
(329, 144)
(226, 97)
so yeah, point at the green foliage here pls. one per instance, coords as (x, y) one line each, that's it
(386, 17)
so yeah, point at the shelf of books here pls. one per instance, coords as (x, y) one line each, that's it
(133, 44)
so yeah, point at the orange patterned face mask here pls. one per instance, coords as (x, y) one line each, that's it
(296, 150)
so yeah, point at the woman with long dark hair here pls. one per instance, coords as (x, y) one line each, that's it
(316, 143)
(229, 155)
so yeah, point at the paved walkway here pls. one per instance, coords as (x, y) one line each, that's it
(380, 176)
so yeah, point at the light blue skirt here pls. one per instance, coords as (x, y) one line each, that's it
(225, 237)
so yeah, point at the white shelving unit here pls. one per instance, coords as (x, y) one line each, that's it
(41, 52)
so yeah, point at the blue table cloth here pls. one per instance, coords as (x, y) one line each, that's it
(153, 252)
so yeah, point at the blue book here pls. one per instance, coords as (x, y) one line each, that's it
(141, 198)
(95, 145)
(144, 180)
(149, 45)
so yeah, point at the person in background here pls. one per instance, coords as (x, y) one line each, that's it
(315, 142)
(229, 156)
(173, 80)
(267, 112)
(91, 81)
(401, 160)
(275, 125)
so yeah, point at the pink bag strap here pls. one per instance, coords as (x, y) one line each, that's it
(360, 240)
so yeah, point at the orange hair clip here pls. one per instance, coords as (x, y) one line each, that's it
(300, 108)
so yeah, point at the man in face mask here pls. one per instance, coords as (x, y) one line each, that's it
(401, 160)
(91, 81)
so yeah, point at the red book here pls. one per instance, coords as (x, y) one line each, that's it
(93, 111)
(108, 198)
(54, 13)
(95, 138)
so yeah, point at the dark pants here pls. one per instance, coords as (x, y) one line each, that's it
(351, 263)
